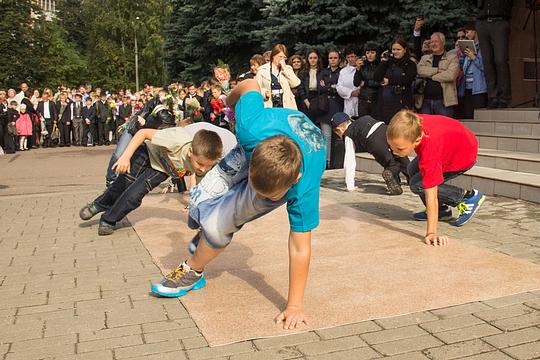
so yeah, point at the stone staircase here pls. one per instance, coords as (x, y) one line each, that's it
(509, 155)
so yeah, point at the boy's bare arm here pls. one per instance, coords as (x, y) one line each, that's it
(123, 163)
(432, 208)
(299, 257)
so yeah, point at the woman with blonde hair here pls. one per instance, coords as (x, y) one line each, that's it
(276, 80)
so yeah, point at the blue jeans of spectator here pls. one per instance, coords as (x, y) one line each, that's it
(447, 194)
(120, 148)
(436, 107)
(126, 193)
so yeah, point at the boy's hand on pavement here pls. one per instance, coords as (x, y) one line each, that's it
(122, 166)
(436, 240)
(292, 317)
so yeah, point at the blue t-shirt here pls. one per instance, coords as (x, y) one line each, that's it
(255, 123)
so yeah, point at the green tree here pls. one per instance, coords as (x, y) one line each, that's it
(201, 32)
(70, 16)
(21, 43)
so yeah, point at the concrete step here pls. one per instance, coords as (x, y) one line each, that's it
(503, 128)
(520, 115)
(512, 184)
(509, 160)
(521, 143)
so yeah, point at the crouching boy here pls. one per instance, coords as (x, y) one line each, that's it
(280, 159)
(445, 149)
(368, 134)
(149, 159)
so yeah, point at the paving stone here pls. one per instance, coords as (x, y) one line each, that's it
(45, 308)
(12, 333)
(167, 325)
(525, 351)
(74, 324)
(133, 317)
(513, 338)
(460, 310)
(459, 350)
(326, 346)
(173, 355)
(97, 355)
(504, 312)
(535, 304)
(452, 323)
(271, 354)
(518, 322)
(405, 320)
(218, 351)
(468, 333)
(347, 330)
(147, 349)
(109, 333)
(194, 343)
(109, 343)
(276, 342)
(42, 352)
(510, 300)
(393, 334)
(38, 343)
(408, 356)
(492, 355)
(407, 345)
(171, 335)
(357, 354)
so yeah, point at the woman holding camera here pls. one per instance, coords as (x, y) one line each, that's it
(276, 80)
(363, 77)
(395, 73)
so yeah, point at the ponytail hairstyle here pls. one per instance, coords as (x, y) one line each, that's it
(405, 124)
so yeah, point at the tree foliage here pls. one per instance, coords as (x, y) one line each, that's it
(198, 33)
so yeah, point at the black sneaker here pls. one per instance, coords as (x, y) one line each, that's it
(88, 212)
(105, 228)
(394, 187)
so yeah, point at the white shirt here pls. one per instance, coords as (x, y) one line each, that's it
(46, 113)
(345, 87)
(227, 138)
(349, 160)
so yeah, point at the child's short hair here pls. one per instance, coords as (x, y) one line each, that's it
(13, 102)
(405, 124)
(275, 164)
(257, 59)
(217, 87)
(208, 144)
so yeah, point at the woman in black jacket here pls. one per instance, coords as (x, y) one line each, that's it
(395, 73)
(365, 70)
(311, 84)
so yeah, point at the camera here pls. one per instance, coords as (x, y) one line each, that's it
(277, 98)
(364, 58)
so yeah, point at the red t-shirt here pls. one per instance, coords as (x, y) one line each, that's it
(446, 146)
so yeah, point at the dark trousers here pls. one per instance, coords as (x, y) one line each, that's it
(126, 193)
(65, 133)
(377, 145)
(101, 134)
(47, 142)
(493, 37)
(92, 130)
(436, 107)
(471, 102)
(447, 194)
(367, 107)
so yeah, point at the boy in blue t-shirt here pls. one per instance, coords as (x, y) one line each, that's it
(280, 159)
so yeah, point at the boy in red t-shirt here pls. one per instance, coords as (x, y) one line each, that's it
(445, 149)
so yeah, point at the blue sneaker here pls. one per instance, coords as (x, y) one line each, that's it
(468, 207)
(179, 282)
(445, 214)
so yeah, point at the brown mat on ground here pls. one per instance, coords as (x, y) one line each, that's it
(362, 268)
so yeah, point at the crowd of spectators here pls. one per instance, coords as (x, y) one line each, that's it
(424, 74)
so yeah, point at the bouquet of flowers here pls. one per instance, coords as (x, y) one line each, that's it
(193, 110)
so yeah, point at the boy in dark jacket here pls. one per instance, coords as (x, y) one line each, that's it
(11, 135)
(90, 124)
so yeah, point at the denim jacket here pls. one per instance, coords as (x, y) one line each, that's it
(479, 79)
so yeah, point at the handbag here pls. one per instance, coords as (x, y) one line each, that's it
(12, 129)
(55, 133)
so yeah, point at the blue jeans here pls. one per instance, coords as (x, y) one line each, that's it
(447, 194)
(436, 107)
(224, 201)
(120, 148)
(126, 193)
